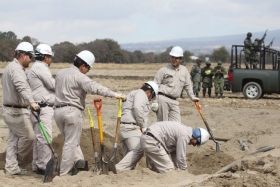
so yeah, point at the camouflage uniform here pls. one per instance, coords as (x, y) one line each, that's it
(196, 76)
(254, 53)
(247, 49)
(219, 72)
(207, 75)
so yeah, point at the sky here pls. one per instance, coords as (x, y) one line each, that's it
(131, 21)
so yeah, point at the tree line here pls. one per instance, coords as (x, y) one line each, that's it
(104, 50)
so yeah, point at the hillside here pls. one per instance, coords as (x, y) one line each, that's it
(204, 44)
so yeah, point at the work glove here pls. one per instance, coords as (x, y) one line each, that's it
(35, 107)
(154, 107)
(120, 96)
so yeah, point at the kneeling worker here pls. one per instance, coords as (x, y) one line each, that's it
(134, 121)
(170, 137)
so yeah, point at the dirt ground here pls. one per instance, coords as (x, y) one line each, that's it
(256, 122)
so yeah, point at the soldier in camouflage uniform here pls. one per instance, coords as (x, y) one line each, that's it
(196, 76)
(247, 49)
(254, 53)
(207, 75)
(219, 71)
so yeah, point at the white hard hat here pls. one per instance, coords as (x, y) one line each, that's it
(201, 135)
(176, 52)
(153, 85)
(44, 49)
(26, 47)
(87, 56)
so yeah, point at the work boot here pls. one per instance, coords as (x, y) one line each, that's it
(20, 173)
(40, 171)
(209, 95)
(196, 94)
(203, 94)
(216, 95)
(247, 67)
(221, 95)
(80, 165)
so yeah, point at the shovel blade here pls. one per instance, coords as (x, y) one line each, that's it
(52, 170)
(112, 167)
(104, 167)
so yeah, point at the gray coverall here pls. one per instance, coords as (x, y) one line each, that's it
(135, 113)
(17, 96)
(70, 91)
(163, 138)
(171, 82)
(42, 84)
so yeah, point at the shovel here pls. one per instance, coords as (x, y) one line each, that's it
(112, 164)
(103, 164)
(52, 167)
(208, 128)
(96, 167)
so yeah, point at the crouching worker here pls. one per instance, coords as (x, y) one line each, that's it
(170, 137)
(134, 120)
(72, 86)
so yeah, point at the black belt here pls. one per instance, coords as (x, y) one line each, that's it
(12, 106)
(150, 134)
(44, 105)
(160, 93)
(128, 123)
(67, 105)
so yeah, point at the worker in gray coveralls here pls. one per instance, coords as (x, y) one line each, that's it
(134, 121)
(172, 79)
(170, 137)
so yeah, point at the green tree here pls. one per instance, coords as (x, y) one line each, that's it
(220, 54)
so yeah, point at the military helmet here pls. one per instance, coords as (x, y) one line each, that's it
(198, 60)
(219, 62)
(208, 63)
(249, 34)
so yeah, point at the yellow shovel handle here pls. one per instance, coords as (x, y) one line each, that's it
(91, 124)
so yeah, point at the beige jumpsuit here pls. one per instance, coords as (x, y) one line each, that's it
(70, 91)
(169, 137)
(171, 82)
(42, 84)
(16, 93)
(135, 113)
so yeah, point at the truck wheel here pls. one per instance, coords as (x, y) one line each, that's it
(252, 90)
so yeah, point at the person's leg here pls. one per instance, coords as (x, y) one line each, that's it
(44, 151)
(163, 108)
(135, 153)
(174, 113)
(156, 153)
(69, 122)
(20, 138)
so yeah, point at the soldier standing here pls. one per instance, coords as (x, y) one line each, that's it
(247, 49)
(196, 76)
(219, 71)
(254, 53)
(207, 75)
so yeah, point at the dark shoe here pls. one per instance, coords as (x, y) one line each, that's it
(81, 165)
(22, 173)
(221, 95)
(216, 95)
(40, 171)
(209, 95)
(196, 94)
(247, 67)
(203, 94)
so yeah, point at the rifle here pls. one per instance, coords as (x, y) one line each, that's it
(270, 44)
(261, 41)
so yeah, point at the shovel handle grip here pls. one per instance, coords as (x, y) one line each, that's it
(98, 104)
(118, 120)
(91, 124)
